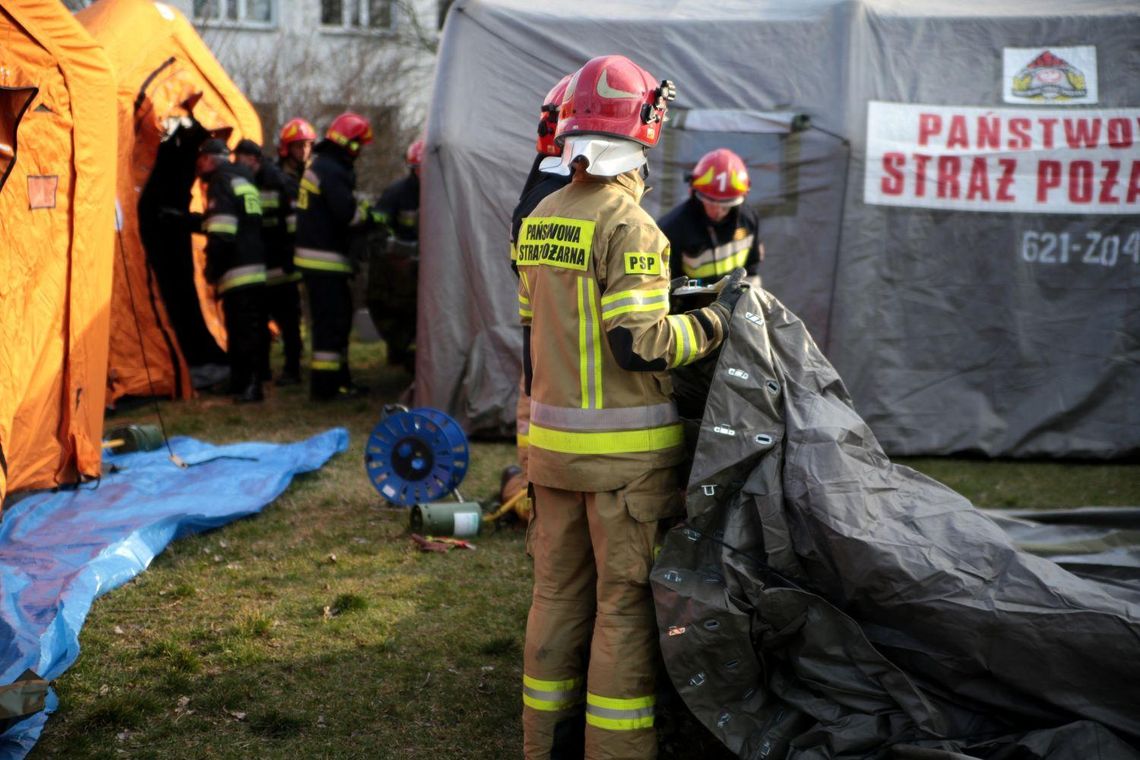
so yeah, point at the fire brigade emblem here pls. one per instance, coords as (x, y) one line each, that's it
(1049, 77)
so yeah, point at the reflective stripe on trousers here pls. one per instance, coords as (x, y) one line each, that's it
(325, 361)
(619, 714)
(323, 261)
(250, 274)
(551, 696)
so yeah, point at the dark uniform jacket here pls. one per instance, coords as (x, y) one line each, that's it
(399, 209)
(235, 257)
(539, 184)
(279, 221)
(704, 251)
(326, 209)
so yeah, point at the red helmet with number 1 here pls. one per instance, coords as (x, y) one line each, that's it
(548, 119)
(351, 131)
(295, 130)
(721, 177)
(611, 96)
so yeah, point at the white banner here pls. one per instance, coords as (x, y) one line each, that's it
(1003, 160)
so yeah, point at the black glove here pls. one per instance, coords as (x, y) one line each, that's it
(732, 287)
(678, 282)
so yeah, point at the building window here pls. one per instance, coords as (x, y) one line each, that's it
(358, 14)
(257, 12)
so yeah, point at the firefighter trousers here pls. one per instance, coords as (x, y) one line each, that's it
(519, 482)
(247, 335)
(330, 303)
(283, 301)
(591, 637)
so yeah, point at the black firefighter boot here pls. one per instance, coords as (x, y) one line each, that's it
(251, 395)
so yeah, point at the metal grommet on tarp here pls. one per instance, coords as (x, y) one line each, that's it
(416, 456)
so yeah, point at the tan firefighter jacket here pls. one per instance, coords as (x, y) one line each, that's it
(594, 290)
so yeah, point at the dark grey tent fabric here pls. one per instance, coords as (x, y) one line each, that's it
(949, 339)
(823, 602)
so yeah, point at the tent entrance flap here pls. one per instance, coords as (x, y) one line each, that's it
(14, 101)
(166, 235)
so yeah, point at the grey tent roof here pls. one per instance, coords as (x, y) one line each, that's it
(947, 341)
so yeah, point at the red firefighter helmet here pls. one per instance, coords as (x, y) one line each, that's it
(415, 154)
(613, 96)
(351, 131)
(721, 177)
(295, 130)
(548, 119)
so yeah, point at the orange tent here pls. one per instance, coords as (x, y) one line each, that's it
(57, 213)
(172, 94)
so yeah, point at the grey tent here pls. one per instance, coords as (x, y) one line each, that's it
(950, 193)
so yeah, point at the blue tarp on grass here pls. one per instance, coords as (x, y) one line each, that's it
(60, 551)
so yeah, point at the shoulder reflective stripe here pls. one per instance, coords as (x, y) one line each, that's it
(311, 185)
(620, 714)
(270, 199)
(221, 223)
(325, 261)
(622, 442)
(325, 361)
(626, 301)
(239, 276)
(551, 696)
(614, 418)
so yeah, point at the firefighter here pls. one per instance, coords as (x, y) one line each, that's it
(547, 174)
(713, 233)
(604, 432)
(278, 219)
(393, 270)
(326, 212)
(235, 265)
(295, 147)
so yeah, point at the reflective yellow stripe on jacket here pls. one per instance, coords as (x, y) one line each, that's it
(625, 430)
(718, 261)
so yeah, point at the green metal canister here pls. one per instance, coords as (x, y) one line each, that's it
(133, 438)
(447, 518)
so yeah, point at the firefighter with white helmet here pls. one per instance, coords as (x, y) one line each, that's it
(604, 432)
(713, 232)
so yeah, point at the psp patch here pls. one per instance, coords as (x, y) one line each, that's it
(643, 263)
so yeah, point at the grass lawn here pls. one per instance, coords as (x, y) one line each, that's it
(318, 630)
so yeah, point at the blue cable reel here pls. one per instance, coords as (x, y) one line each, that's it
(416, 456)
